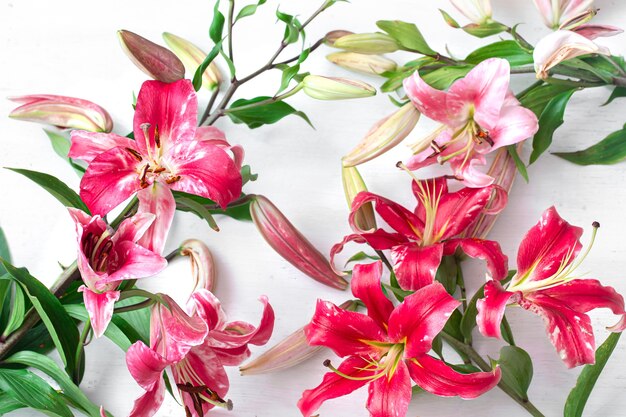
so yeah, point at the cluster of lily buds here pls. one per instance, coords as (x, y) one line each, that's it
(63, 112)
(203, 268)
(353, 184)
(365, 63)
(285, 239)
(192, 57)
(156, 61)
(332, 88)
(289, 352)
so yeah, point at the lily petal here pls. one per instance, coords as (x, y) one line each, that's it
(100, 308)
(469, 171)
(145, 365)
(416, 266)
(158, 200)
(88, 145)
(516, 124)
(366, 287)
(133, 228)
(428, 100)
(390, 396)
(592, 31)
(136, 262)
(488, 250)
(148, 404)
(399, 218)
(491, 309)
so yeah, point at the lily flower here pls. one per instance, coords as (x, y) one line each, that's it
(162, 157)
(387, 348)
(480, 115)
(554, 12)
(106, 257)
(422, 237)
(545, 284)
(195, 346)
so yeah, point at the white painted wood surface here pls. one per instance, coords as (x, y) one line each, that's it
(69, 47)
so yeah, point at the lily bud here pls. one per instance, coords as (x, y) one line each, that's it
(352, 185)
(63, 112)
(158, 62)
(368, 64)
(560, 46)
(331, 88)
(289, 352)
(192, 57)
(384, 135)
(202, 264)
(477, 11)
(367, 43)
(333, 35)
(285, 239)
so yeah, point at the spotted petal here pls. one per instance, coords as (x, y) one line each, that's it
(390, 396)
(366, 286)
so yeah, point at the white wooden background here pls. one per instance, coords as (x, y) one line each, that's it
(70, 47)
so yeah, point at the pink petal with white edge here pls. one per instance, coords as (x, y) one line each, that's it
(110, 179)
(334, 386)
(205, 170)
(390, 396)
(133, 228)
(416, 266)
(136, 262)
(88, 145)
(591, 31)
(483, 89)
(468, 171)
(204, 303)
(550, 243)
(158, 200)
(216, 137)
(366, 286)
(438, 378)
(173, 108)
(516, 124)
(420, 317)
(100, 308)
(84, 221)
(145, 365)
(148, 404)
(429, 101)
(491, 309)
(426, 157)
(487, 250)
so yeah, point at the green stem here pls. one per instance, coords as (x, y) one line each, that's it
(80, 353)
(484, 366)
(231, 9)
(209, 106)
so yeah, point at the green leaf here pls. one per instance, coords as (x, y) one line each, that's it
(449, 20)
(37, 339)
(537, 98)
(398, 292)
(550, 120)
(360, 256)
(136, 323)
(54, 186)
(264, 114)
(484, 30)
(447, 274)
(8, 404)
(249, 10)
(199, 210)
(238, 212)
(609, 150)
(59, 324)
(407, 35)
(32, 391)
(197, 77)
(5, 252)
(508, 50)
(61, 146)
(247, 175)
(50, 368)
(616, 93)
(442, 78)
(288, 74)
(579, 395)
(17, 313)
(217, 25)
(113, 331)
(517, 369)
(292, 27)
(519, 164)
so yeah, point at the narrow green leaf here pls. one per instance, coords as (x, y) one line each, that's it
(135, 324)
(288, 74)
(407, 35)
(264, 114)
(197, 77)
(61, 146)
(18, 311)
(217, 25)
(8, 404)
(484, 30)
(238, 212)
(508, 50)
(54, 186)
(517, 369)
(50, 368)
(5, 252)
(447, 274)
(442, 78)
(521, 167)
(616, 93)
(113, 331)
(199, 210)
(579, 395)
(360, 256)
(249, 10)
(449, 20)
(550, 120)
(609, 150)
(32, 391)
(59, 324)
(537, 98)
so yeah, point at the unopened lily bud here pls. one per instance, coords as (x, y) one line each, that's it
(333, 35)
(158, 62)
(579, 19)
(352, 185)
(367, 43)
(368, 64)
(384, 135)
(426, 141)
(289, 352)
(192, 57)
(477, 11)
(560, 46)
(202, 264)
(285, 239)
(331, 88)
(61, 111)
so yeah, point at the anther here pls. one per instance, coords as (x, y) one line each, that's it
(157, 137)
(134, 153)
(173, 179)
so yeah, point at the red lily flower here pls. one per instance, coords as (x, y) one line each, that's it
(422, 237)
(387, 348)
(544, 284)
(195, 347)
(164, 156)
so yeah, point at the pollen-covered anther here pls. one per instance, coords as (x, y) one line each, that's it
(172, 179)
(482, 136)
(134, 154)
(142, 177)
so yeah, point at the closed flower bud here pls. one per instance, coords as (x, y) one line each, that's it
(367, 43)
(285, 239)
(352, 185)
(384, 135)
(158, 62)
(202, 264)
(368, 64)
(331, 88)
(291, 351)
(333, 35)
(63, 112)
(192, 57)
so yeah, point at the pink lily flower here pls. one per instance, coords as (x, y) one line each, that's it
(554, 12)
(387, 348)
(545, 284)
(195, 347)
(164, 156)
(423, 236)
(106, 257)
(479, 114)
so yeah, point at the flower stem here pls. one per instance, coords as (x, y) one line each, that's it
(484, 365)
